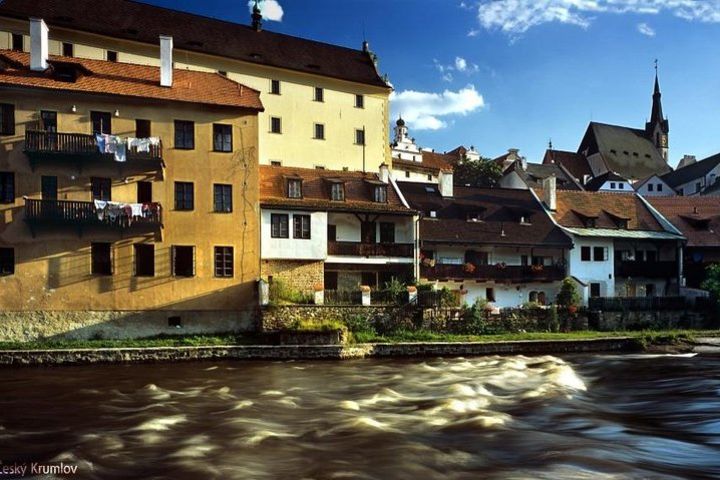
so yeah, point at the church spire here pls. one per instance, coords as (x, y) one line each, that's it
(658, 128)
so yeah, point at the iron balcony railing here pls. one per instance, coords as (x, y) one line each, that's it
(358, 249)
(507, 273)
(39, 144)
(75, 213)
(646, 269)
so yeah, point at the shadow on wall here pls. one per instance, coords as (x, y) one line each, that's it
(189, 317)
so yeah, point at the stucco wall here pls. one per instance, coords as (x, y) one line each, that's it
(592, 271)
(53, 268)
(506, 295)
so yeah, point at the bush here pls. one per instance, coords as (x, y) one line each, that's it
(360, 323)
(473, 320)
(280, 293)
(568, 295)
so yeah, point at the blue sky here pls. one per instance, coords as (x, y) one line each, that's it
(499, 74)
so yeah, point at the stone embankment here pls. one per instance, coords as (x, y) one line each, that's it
(313, 352)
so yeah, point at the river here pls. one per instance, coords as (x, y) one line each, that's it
(577, 417)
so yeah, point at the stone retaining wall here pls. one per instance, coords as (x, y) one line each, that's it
(655, 320)
(315, 352)
(116, 325)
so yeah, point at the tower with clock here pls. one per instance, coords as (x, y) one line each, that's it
(658, 128)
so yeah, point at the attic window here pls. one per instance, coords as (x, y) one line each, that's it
(647, 155)
(474, 217)
(589, 222)
(635, 154)
(294, 188)
(337, 192)
(524, 220)
(626, 152)
(614, 152)
(380, 195)
(622, 224)
(433, 214)
(430, 189)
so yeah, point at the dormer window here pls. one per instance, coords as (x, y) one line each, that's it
(589, 223)
(337, 192)
(524, 220)
(622, 224)
(294, 188)
(380, 194)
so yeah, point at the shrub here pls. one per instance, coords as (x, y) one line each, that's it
(473, 320)
(568, 295)
(360, 323)
(310, 325)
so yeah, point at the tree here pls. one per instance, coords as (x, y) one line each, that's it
(568, 295)
(477, 173)
(712, 280)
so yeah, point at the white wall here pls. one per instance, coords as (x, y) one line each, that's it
(506, 295)
(690, 188)
(659, 188)
(592, 271)
(348, 227)
(400, 175)
(293, 248)
(512, 180)
(507, 255)
(617, 186)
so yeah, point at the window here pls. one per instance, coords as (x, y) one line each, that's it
(360, 137)
(222, 138)
(279, 225)
(183, 261)
(7, 187)
(112, 56)
(337, 192)
(621, 186)
(332, 233)
(319, 94)
(589, 222)
(651, 187)
(275, 87)
(359, 101)
(622, 224)
(681, 192)
(7, 261)
(143, 128)
(144, 192)
(387, 232)
(184, 196)
(224, 262)
(490, 294)
(101, 122)
(380, 194)
(612, 185)
(368, 232)
(429, 177)
(49, 187)
(223, 198)
(319, 131)
(697, 186)
(524, 260)
(600, 254)
(48, 120)
(294, 188)
(659, 187)
(68, 49)
(101, 254)
(301, 227)
(101, 188)
(594, 290)
(7, 119)
(275, 125)
(144, 260)
(650, 290)
(585, 254)
(407, 173)
(184, 134)
(18, 42)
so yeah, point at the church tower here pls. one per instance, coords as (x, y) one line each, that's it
(658, 128)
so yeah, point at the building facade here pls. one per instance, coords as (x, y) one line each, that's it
(306, 86)
(128, 203)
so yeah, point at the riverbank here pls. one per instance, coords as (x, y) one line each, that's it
(246, 348)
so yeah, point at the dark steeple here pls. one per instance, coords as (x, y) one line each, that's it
(658, 128)
(256, 17)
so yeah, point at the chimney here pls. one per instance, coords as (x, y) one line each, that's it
(384, 173)
(445, 183)
(513, 153)
(550, 193)
(166, 61)
(38, 44)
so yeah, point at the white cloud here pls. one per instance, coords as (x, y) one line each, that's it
(428, 111)
(515, 17)
(646, 29)
(459, 65)
(271, 9)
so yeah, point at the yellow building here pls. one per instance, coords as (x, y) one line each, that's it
(127, 208)
(326, 105)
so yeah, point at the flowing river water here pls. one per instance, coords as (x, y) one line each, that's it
(576, 417)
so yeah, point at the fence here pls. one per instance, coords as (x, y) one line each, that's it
(648, 304)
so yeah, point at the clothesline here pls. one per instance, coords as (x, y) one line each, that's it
(125, 212)
(118, 146)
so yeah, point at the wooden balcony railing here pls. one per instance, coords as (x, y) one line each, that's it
(646, 269)
(507, 273)
(79, 214)
(358, 249)
(41, 145)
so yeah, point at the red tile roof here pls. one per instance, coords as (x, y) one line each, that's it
(606, 208)
(575, 163)
(698, 218)
(128, 80)
(431, 162)
(316, 191)
(140, 22)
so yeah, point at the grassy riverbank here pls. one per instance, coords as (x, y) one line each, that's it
(646, 338)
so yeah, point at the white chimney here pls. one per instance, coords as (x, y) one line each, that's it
(445, 183)
(38, 44)
(384, 173)
(166, 61)
(550, 193)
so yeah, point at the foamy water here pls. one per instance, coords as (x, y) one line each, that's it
(600, 417)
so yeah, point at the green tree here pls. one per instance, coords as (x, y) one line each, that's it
(712, 280)
(568, 295)
(477, 173)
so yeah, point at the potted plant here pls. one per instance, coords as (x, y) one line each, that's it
(469, 267)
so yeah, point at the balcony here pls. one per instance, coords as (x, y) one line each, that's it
(64, 213)
(81, 150)
(357, 249)
(646, 269)
(497, 273)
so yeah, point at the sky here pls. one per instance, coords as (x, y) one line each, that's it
(501, 74)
